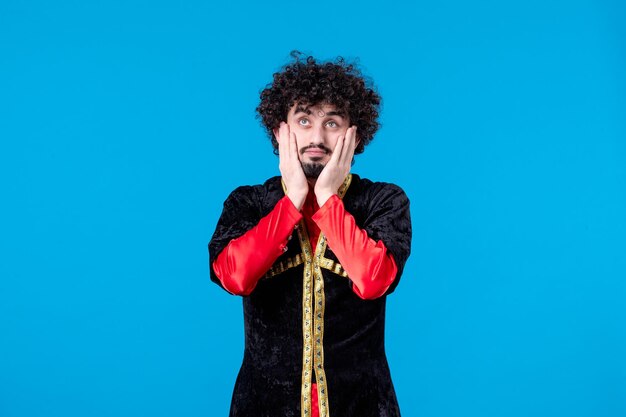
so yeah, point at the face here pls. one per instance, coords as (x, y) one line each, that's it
(317, 129)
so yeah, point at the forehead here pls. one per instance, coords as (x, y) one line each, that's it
(316, 110)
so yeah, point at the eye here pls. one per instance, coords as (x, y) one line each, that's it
(303, 122)
(332, 123)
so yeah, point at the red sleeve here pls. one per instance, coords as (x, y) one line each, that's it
(368, 264)
(247, 258)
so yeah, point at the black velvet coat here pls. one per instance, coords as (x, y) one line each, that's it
(303, 322)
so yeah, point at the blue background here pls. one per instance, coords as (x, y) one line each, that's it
(125, 124)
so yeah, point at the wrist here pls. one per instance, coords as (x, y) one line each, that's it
(297, 199)
(322, 196)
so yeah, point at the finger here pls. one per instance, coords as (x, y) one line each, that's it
(335, 157)
(287, 138)
(293, 150)
(348, 148)
(282, 145)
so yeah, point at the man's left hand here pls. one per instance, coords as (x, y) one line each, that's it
(337, 168)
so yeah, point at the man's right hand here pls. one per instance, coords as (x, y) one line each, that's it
(290, 166)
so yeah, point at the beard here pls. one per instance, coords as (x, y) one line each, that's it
(312, 169)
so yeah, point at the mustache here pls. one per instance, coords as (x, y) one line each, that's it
(322, 147)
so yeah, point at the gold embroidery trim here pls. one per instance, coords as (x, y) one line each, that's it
(284, 265)
(318, 323)
(307, 351)
(333, 266)
(313, 321)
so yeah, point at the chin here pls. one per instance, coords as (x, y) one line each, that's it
(316, 160)
(312, 169)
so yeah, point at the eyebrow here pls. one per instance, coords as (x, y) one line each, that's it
(306, 110)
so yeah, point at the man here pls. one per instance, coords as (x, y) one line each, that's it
(314, 253)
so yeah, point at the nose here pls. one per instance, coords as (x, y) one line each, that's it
(318, 135)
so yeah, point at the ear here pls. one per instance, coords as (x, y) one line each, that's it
(276, 130)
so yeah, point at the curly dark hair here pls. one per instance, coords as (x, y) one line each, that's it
(305, 81)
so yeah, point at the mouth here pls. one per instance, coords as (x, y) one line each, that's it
(315, 152)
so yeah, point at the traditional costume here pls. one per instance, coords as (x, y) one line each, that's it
(314, 286)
